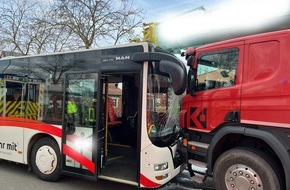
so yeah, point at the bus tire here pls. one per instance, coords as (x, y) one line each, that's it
(242, 168)
(45, 159)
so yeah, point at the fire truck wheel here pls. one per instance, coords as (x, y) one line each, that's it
(242, 168)
(45, 159)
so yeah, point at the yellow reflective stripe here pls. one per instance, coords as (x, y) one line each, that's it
(12, 108)
(32, 110)
(40, 102)
(1, 106)
(92, 114)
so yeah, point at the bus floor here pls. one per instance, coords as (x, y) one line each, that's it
(121, 163)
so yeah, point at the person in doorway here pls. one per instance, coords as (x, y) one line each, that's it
(71, 110)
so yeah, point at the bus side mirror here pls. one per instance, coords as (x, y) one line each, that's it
(192, 82)
(167, 65)
(190, 60)
(177, 75)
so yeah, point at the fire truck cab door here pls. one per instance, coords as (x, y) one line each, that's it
(80, 145)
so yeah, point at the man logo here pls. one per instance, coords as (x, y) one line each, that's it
(119, 58)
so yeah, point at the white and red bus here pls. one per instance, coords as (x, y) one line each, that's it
(138, 145)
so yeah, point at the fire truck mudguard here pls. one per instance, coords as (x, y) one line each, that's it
(276, 142)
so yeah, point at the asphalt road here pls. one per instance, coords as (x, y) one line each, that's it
(16, 177)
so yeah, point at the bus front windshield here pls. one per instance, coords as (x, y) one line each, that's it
(163, 108)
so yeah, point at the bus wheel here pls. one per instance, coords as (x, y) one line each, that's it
(45, 159)
(243, 169)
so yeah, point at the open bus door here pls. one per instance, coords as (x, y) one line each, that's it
(81, 143)
(120, 120)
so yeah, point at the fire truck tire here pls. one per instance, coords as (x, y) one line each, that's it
(45, 159)
(242, 168)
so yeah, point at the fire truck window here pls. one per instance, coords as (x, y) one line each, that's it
(217, 69)
(13, 92)
(263, 60)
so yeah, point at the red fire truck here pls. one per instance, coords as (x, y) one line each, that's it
(236, 113)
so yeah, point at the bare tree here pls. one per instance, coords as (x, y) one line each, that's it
(127, 19)
(34, 26)
(28, 27)
(53, 37)
(98, 21)
(16, 17)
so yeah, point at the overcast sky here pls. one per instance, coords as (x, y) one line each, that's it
(160, 10)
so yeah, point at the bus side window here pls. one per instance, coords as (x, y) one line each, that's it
(53, 101)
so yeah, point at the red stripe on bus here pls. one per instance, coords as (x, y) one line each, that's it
(52, 130)
(12, 119)
(46, 128)
(31, 124)
(79, 158)
(147, 182)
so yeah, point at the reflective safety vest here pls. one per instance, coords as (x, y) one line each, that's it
(71, 107)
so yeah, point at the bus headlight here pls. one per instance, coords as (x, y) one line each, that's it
(160, 167)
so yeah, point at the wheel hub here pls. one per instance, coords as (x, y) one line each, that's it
(242, 177)
(46, 159)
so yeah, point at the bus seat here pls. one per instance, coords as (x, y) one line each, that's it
(113, 119)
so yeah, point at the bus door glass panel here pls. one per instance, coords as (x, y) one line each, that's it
(79, 125)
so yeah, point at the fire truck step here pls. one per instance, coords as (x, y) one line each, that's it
(198, 179)
(197, 163)
(198, 144)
